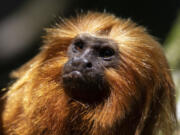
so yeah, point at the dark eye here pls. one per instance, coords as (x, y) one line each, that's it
(79, 45)
(106, 52)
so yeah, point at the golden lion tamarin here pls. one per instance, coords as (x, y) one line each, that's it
(95, 75)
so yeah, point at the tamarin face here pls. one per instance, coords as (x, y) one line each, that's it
(83, 74)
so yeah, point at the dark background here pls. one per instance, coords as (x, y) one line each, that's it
(156, 15)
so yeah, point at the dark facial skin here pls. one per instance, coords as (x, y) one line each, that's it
(83, 74)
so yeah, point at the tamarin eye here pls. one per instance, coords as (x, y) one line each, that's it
(79, 45)
(106, 52)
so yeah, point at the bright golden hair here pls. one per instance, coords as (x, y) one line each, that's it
(142, 96)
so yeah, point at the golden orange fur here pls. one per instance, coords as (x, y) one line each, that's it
(141, 100)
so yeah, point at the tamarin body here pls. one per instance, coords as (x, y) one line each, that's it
(95, 75)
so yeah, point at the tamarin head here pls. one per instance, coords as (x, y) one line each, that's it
(84, 72)
(96, 75)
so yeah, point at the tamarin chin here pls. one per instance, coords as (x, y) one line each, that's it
(96, 74)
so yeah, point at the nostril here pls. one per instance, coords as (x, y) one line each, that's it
(89, 65)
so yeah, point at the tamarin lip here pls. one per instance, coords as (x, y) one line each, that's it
(73, 75)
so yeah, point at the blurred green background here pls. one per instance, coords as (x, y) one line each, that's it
(172, 51)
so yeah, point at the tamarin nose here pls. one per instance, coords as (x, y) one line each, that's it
(81, 63)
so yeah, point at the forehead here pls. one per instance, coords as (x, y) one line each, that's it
(92, 40)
